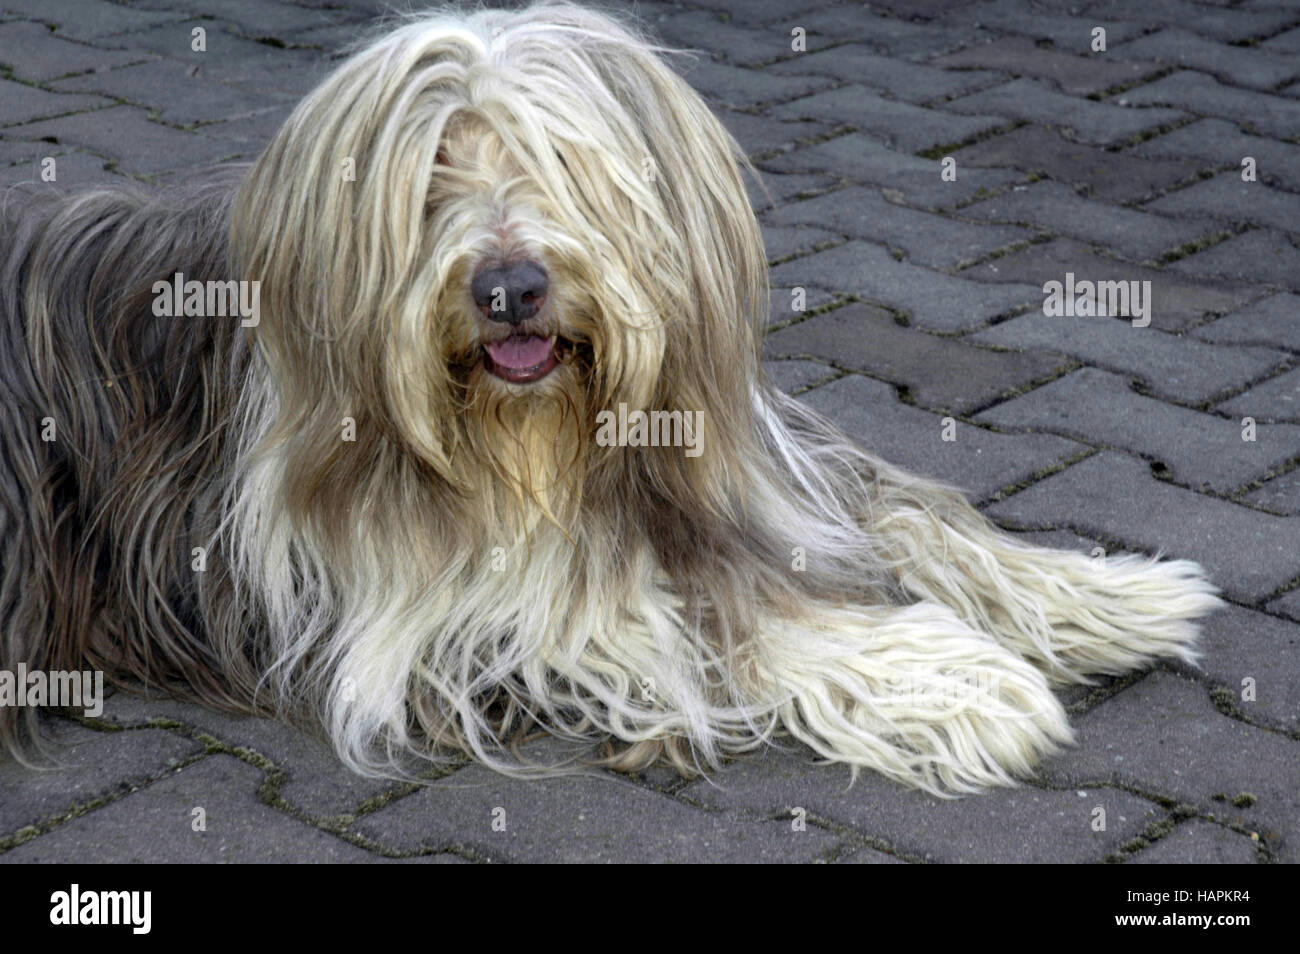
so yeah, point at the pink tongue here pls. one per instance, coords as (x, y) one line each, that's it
(520, 352)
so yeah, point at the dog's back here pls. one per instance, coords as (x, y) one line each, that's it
(110, 444)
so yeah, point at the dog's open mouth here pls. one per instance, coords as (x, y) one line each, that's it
(521, 359)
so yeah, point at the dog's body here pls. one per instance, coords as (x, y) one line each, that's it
(383, 506)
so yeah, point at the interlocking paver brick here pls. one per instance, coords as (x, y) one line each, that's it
(1222, 24)
(1203, 95)
(1002, 826)
(899, 38)
(910, 82)
(89, 766)
(862, 158)
(314, 779)
(1183, 368)
(734, 86)
(1079, 74)
(73, 169)
(1256, 256)
(1201, 450)
(783, 241)
(1057, 207)
(864, 213)
(1277, 399)
(1114, 497)
(33, 53)
(1280, 494)
(939, 373)
(1285, 42)
(239, 828)
(933, 299)
(977, 461)
(1242, 66)
(785, 300)
(168, 86)
(1226, 196)
(1199, 842)
(573, 819)
(777, 189)
(89, 19)
(1107, 175)
(263, 18)
(126, 134)
(20, 103)
(764, 11)
(1189, 752)
(908, 127)
(1222, 143)
(791, 376)
(1239, 643)
(1033, 100)
(1177, 300)
(738, 44)
(759, 135)
(1071, 33)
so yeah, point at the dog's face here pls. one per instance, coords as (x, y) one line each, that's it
(473, 239)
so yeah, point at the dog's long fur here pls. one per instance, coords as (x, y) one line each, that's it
(474, 565)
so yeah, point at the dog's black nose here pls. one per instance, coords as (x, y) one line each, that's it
(512, 293)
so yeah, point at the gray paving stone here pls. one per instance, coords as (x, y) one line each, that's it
(1221, 24)
(1277, 399)
(791, 376)
(1288, 604)
(778, 189)
(581, 820)
(1201, 450)
(1239, 65)
(1185, 750)
(20, 103)
(1203, 95)
(1199, 842)
(1243, 644)
(916, 181)
(1113, 497)
(1029, 99)
(227, 57)
(1003, 826)
(1181, 302)
(783, 302)
(933, 299)
(168, 86)
(869, 856)
(35, 54)
(1071, 33)
(1078, 74)
(88, 19)
(1182, 368)
(73, 170)
(1055, 207)
(1222, 143)
(1110, 176)
(761, 135)
(903, 125)
(978, 461)
(315, 781)
(939, 373)
(783, 241)
(1255, 256)
(1226, 197)
(126, 134)
(897, 37)
(910, 82)
(735, 86)
(1280, 494)
(1285, 42)
(864, 213)
(765, 11)
(733, 39)
(240, 829)
(90, 765)
(265, 17)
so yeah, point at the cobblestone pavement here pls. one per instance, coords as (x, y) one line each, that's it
(924, 301)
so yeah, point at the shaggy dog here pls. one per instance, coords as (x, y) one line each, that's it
(393, 504)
